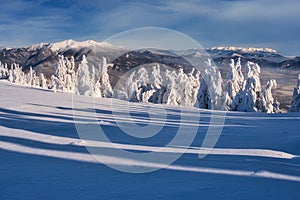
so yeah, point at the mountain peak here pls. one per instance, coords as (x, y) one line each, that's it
(37, 46)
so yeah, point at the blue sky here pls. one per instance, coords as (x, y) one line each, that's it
(255, 23)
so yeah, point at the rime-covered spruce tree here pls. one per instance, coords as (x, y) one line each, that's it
(267, 102)
(16, 75)
(248, 99)
(235, 81)
(295, 104)
(3, 71)
(83, 82)
(103, 82)
(211, 94)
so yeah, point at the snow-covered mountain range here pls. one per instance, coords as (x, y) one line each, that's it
(42, 57)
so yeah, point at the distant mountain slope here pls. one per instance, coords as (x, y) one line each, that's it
(265, 57)
(43, 57)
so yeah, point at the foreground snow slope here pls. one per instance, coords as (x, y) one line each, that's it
(42, 156)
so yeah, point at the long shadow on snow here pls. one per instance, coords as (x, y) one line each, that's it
(22, 121)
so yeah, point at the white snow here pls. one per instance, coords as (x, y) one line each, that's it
(72, 44)
(244, 49)
(37, 46)
(257, 155)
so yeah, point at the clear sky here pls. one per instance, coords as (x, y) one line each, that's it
(250, 23)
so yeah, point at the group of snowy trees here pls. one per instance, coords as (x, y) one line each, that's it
(208, 90)
(86, 80)
(64, 77)
(93, 81)
(244, 93)
(16, 75)
(159, 84)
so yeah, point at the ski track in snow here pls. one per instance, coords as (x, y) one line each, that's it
(129, 162)
(187, 150)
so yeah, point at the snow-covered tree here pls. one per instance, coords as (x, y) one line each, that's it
(156, 88)
(36, 80)
(16, 75)
(83, 82)
(170, 97)
(235, 81)
(103, 84)
(203, 95)
(43, 81)
(142, 84)
(30, 77)
(93, 83)
(295, 104)
(267, 103)
(126, 87)
(248, 99)
(54, 83)
(3, 71)
(191, 89)
(211, 94)
(155, 78)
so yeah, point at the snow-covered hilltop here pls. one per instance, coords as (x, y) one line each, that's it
(72, 44)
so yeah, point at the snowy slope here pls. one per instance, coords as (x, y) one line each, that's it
(43, 157)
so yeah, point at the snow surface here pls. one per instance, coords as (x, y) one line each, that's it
(256, 157)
